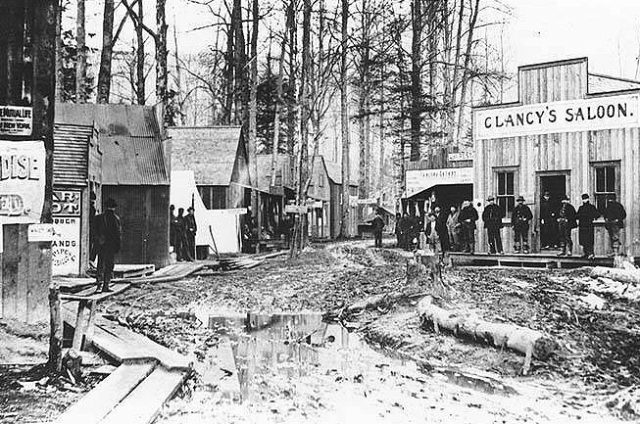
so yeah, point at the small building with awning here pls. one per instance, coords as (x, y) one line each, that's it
(442, 179)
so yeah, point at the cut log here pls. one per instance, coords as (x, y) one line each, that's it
(631, 276)
(526, 341)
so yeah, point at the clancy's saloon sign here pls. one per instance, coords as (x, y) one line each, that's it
(567, 116)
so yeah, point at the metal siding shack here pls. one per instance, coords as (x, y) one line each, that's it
(572, 154)
(135, 175)
(77, 167)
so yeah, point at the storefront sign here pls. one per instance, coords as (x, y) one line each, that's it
(460, 156)
(21, 181)
(65, 248)
(555, 117)
(295, 209)
(236, 211)
(66, 203)
(15, 120)
(40, 232)
(419, 180)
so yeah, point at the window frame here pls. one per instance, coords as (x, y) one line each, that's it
(496, 179)
(595, 166)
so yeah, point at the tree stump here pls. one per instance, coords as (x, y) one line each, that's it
(425, 270)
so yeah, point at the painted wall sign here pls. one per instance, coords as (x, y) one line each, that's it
(423, 179)
(21, 181)
(16, 120)
(66, 203)
(567, 116)
(65, 248)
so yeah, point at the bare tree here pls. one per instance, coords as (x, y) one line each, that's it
(104, 75)
(81, 59)
(344, 119)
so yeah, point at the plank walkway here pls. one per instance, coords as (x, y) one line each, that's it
(542, 260)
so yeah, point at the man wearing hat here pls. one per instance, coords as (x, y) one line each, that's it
(614, 216)
(566, 222)
(492, 217)
(520, 219)
(190, 229)
(108, 233)
(467, 218)
(548, 224)
(586, 214)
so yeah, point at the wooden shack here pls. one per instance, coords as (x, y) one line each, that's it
(77, 177)
(274, 193)
(570, 132)
(334, 175)
(134, 173)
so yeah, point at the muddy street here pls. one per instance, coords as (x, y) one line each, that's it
(263, 353)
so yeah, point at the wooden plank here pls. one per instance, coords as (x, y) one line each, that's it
(96, 404)
(81, 326)
(219, 371)
(91, 293)
(11, 257)
(143, 404)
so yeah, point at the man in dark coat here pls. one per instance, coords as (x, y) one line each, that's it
(378, 226)
(520, 219)
(586, 214)
(468, 217)
(108, 233)
(548, 224)
(190, 229)
(492, 217)
(443, 233)
(614, 216)
(433, 230)
(180, 235)
(566, 222)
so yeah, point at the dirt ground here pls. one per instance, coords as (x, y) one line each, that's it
(391, 368)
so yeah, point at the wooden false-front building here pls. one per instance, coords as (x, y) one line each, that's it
(570, 132)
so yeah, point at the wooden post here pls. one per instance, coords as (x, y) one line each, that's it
(55, 338)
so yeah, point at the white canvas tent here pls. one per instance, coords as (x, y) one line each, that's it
(217, 229)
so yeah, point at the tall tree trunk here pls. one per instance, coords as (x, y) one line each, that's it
(278, 106)
(253, 113)
(240, 62)
(473, 19)
(104, 75)
(364, 129)
(381, 124)
(344, 119)
(292, 112)
(140, 58)
(229, 77)
(416, 79)
(59, 63)
(176, 58)
(161, 56)
(432, 37)
(81, 60)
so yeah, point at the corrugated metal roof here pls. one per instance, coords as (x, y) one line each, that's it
(130, 137)
(603, 84)
(71, 154)
(210, 152)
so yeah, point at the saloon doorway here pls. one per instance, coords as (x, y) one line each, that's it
(556, 186)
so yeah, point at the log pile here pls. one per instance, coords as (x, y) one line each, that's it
(531, 343)
(628, 275)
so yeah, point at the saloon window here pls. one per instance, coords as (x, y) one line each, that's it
(606, 185)
(506, 191)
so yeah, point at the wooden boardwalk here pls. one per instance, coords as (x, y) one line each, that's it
(537, 260)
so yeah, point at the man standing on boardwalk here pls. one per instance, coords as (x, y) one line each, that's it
(492, 217)
(108, 234)
(548, 224)
(614, 216)
(587, 213)
(190, 229)
(520, 219)
(566, 223)
(468, 217)
(378, 226)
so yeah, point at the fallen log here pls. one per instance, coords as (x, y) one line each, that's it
(531, 343)
(631, 276)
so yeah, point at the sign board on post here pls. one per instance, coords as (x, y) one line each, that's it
(21, 181)
(65, 249)
(554, 117)
(16, 120)
(460, 156)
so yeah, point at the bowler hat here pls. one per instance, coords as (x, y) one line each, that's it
(565, 197)
(585, 196)
(490, 199)
(520, 199)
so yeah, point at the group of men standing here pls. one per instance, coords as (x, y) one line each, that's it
(456, 230)
(182, 233)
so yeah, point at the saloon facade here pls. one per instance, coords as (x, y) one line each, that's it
(571, 132)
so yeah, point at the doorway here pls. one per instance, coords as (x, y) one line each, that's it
(556, 185)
